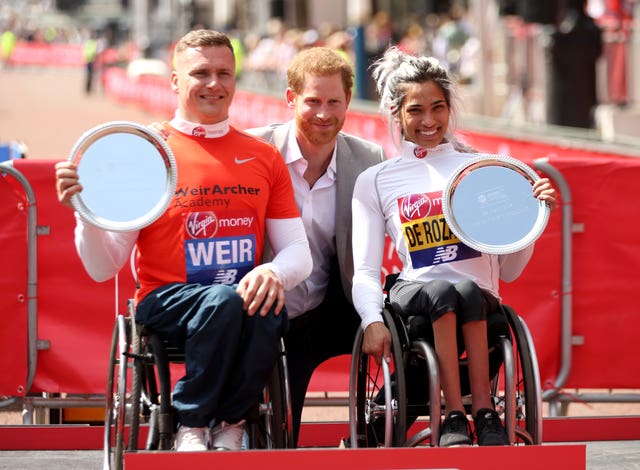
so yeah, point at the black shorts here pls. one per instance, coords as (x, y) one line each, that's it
(422, 303)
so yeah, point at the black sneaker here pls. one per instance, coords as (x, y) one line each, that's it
(489, 429)
(455, 431)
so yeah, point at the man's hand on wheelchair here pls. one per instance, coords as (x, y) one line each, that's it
(377, 342)
(259, 289)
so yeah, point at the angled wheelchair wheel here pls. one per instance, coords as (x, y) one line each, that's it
(377, 395)
(137, 378)
(273, 428)
(149, 409)
(528, 413)
(122, 402)
(157, 357)
(516, 385)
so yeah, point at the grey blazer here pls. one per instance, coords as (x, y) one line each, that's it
(353, 156)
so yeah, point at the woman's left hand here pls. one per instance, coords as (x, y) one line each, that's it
(543, 190)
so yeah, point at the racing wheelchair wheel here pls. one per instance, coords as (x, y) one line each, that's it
(528, 400)
(122, 403)
(374, 421)
(273, 428)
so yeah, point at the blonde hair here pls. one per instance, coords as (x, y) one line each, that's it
(202, 38)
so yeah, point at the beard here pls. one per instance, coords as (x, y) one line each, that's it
(319, 136)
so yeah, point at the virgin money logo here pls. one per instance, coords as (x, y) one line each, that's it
(199, 131)
(420, 152)
(202, 224)
(415, 206)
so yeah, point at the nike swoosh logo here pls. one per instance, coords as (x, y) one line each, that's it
(240, 161)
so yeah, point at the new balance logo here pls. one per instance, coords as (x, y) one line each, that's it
(227, 277)
(445, 254)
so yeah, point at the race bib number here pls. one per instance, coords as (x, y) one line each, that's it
(219, 250)
(429, 239)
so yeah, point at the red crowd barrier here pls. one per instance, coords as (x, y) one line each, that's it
(63, 55)
(75, 315)
(42, 53)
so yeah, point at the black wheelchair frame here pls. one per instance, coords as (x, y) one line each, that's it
(142, 359)
(381, 415)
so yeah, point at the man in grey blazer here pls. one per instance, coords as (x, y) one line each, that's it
(324, 163)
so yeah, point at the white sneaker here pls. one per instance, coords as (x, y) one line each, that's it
(228, 436)
(191, 439)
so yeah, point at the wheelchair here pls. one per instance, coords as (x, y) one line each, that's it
(383, 406)
(139, 394)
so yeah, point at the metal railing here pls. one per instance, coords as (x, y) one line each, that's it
(559, 400)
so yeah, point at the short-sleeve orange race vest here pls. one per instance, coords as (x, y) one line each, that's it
(213, 230)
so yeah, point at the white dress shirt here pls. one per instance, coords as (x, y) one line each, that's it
(317, 208)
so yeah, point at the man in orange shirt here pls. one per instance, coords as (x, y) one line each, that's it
(198, 264)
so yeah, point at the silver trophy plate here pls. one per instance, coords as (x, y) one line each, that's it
(128, 175)
(489, 205)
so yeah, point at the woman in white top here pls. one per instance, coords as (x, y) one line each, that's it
(443, 280)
